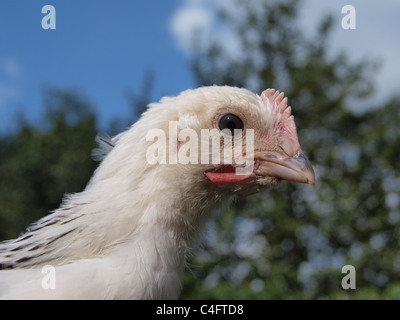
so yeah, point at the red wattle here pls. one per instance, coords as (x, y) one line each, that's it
(226, 174)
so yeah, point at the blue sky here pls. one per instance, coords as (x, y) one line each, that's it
(104, 47)
(101, 47)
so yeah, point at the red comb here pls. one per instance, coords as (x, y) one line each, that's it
(278, 102)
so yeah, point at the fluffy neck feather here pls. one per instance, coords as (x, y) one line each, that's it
(141, 216)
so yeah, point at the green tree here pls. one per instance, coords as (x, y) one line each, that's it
(40, 163)
(292, 242)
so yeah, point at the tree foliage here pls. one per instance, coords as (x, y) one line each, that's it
(42, 162)
(292, 242)
(287, 243)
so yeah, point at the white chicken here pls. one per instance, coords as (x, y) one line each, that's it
(126, 235)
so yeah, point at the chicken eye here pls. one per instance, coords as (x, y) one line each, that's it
(231, 122)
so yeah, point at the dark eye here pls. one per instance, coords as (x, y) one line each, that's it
(231, 122)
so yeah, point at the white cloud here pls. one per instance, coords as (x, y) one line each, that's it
(195, 25)
(374, 38)
(191, 22)
(10, 67)
(10, 72)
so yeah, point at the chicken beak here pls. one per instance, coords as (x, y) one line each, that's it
(296, 169)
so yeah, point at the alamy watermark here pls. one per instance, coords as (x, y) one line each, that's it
(349, 20)
(349, 280)
(187, 147)
(49, 280)
(49, 20)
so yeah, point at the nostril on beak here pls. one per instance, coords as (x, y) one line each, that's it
(288, 149)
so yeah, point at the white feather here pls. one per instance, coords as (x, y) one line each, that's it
(126, 235)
